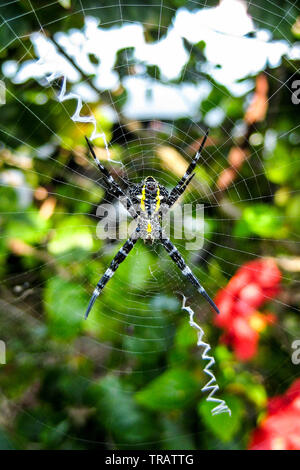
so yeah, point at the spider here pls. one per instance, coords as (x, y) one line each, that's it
(146, 202)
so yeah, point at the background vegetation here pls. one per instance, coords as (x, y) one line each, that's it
(131, 376)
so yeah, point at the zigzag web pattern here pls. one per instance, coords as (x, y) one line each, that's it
(62, 96)
(211, 385)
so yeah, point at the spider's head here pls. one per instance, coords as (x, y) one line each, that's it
(151, 184)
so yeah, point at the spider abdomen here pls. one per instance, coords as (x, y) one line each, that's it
(149, 197)
(150, 228)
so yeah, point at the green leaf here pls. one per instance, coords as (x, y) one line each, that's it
(263, 220)
(283, 165)
(8, 199)
(176, 435)
(53, 435)
(65, 304)
(94, 59)
(119, 413)
(147, 344)
(65, 3)
(186, 336)
(71, 233)
(223, 426)
(174, 389)
(5, 443)
(293, 212)
(29, 227)
(247, 384)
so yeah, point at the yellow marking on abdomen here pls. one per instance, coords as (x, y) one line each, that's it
(143, 198)
(149, 228)
(157, 200)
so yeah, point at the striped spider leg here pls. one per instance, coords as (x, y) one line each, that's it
(118, 259)
(188, 176)
(186, 271)
(113, 186)
(168, 245)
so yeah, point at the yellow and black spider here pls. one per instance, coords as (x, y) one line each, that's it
(146, 203)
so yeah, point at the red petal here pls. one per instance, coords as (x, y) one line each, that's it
(252, 295)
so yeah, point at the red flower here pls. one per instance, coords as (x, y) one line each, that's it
(253, 284)
(242, 338)
(280, 430)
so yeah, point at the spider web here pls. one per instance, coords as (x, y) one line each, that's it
(152, 292)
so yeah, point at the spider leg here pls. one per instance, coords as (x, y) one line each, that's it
(187, 177)
(186, 271)
(114, 188)
(118, 259)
